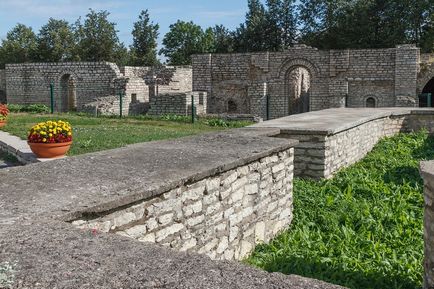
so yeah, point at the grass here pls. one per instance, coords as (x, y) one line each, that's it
(364, 227)
(92, 134)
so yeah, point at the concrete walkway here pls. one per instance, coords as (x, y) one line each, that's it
(18, 148)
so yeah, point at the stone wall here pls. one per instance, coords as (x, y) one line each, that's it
(178, 103)
(79, 84)
(2, 86)
(223, 216)
(329, 140)
(427, 172)
(30, 82)
(335, 77)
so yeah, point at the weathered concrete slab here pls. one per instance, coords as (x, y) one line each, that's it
(334, 120)
(56, 255)
(109, 179)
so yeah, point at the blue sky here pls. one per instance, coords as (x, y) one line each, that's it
(36, 13)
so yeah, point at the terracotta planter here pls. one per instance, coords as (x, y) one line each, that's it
(50, 150)
(2, 123)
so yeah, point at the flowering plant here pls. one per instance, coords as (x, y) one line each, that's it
(4, 111)
(50, 132)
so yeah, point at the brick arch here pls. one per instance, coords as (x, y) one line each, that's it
(292, 63)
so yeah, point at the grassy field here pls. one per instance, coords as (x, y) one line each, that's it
(92, 134)
(363, 228)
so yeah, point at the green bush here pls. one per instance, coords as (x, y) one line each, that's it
(363, 228)
(31, 108)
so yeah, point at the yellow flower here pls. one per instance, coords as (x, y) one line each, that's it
(44, 140)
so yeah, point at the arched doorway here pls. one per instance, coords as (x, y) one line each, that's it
(426, 98)
(370, 102)
(232, 106)
(298, 83)
(68, 94)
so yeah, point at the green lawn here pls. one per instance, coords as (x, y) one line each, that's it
(364, 227)
(92, 134)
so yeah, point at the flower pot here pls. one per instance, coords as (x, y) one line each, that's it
(50, 150)
(2, 123)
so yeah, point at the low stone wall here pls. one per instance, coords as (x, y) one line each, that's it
(223, 216)
(177, 103)
(427, 172)
(335, 138)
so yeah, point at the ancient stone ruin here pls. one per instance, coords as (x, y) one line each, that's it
(304, 79)
(263, 84)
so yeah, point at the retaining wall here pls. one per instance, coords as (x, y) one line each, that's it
(335, 138)
(223, 216)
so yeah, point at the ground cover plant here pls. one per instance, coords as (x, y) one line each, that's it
(95, 134)
(364, 227)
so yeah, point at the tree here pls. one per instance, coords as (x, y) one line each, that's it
(56, 42)
(19, 46)
(185, 39)
(144, 47)
(97, 37)
(223, 39)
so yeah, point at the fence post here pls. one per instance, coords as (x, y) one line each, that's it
(120, 104)
(193, 109)
(267, 106)
(52, 97)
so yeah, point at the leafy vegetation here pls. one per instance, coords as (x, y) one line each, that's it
(363, 228)
(92, 134)
(32, 108)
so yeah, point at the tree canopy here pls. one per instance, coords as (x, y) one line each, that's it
(270, 25)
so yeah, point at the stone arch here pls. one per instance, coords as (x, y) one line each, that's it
(425, 75)
(289, 64)
(67, 91)
(371, 101)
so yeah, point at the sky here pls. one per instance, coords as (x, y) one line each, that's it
(205, 13)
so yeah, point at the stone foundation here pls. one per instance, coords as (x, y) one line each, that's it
(223, 216)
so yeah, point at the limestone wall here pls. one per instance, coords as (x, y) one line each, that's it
(427, 172)
(223, 216)
(322, 152)
(336, 77)
(29, 82)
(177, 103)
(2, 86)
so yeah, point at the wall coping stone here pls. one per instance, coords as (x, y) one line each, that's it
(334, 120)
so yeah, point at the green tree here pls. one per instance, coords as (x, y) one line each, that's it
(97, 37)
(19, 46)
(144, 47)
(185, 39)
(223, 39)
(56, 42)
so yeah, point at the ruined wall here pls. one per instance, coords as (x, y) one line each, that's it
(177, 103)
(223, 216)
(336, 77)
(2, 86)
(29, 82)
